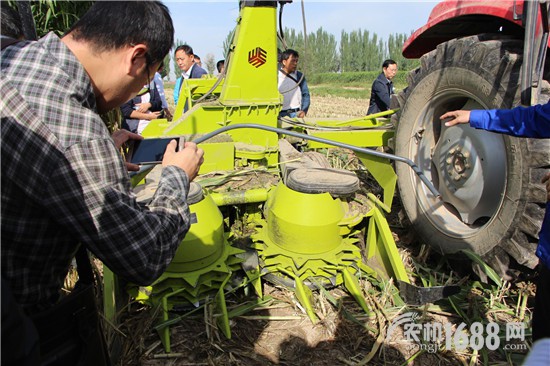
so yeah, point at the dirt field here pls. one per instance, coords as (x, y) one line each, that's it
(279, 332)
(337, 107)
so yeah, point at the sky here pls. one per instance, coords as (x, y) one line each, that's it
(204, 25)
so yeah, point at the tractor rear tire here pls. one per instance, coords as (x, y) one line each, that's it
(492, 199)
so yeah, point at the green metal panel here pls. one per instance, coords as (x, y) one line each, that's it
(252, 67)
(217, 156)
(192, 90)
(362, 138)
(110, 288)
(381, 252)
(365, 121)
(255, 195)
(382, 170)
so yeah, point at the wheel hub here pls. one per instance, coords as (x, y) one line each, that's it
(471, 176)
(458, 163)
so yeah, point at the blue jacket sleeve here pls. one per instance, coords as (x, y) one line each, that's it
(306, 100)
(127, 108)
(177, 88)
(531, 121)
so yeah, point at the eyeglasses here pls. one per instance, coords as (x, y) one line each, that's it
(148, 62)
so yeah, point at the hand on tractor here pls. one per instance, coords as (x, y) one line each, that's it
(189, 159)
(120, 137)
(546, 179)
(455, 117)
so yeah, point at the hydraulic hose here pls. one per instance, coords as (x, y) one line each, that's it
(362, 150)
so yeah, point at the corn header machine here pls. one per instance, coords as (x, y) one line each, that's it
(299, 218)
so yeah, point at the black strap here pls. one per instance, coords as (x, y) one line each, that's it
(288, 75)
(83, 266)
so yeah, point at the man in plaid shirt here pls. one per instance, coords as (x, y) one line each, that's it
(64, 183)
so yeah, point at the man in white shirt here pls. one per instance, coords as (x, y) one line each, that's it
(293, 86)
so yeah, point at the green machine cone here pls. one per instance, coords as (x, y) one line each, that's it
(201, 267)
(306, 239)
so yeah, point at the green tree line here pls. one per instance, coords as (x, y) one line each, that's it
(358, 50)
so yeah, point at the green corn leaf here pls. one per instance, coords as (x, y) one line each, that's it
(484, 267)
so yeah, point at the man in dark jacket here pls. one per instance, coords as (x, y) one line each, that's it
(185, 59)
(382, 88)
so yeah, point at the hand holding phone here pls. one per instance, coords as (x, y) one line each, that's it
(189, 159)
(151, 150)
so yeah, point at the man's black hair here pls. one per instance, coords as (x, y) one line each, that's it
(388, 62)
(185, 48)
(219, 65)
(111, 25)
(289, 52)
(11, 22)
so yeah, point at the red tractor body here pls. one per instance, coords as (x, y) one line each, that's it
(457, 18)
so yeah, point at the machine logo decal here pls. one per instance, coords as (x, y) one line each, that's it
(257, 57)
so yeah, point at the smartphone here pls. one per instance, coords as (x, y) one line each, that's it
(151, 150)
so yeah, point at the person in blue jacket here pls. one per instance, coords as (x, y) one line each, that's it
(185, 58)
(532, 122)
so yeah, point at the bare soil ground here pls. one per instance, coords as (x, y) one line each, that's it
(279, 332)
(337, 107)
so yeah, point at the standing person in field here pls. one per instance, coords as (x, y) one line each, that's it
(532, 122)
(293, 86)
(65, 185)
(220, 66)
(158, 83)
(382, 88)
(197, 60)
(189, 69)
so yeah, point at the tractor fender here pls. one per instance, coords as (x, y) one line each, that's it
(457, 18)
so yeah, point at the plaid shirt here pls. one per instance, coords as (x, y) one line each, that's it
(65, 183)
